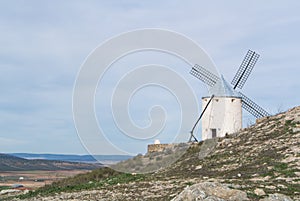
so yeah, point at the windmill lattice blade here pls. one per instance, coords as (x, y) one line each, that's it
(204, 75)
(252, 107)
(245, 69)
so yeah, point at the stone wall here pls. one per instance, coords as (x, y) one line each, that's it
(157, 147)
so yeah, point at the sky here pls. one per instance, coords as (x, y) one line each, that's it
(43, 45)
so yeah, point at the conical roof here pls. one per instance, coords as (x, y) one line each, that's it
(223, 89)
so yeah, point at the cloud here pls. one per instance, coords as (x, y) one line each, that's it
(44, 43)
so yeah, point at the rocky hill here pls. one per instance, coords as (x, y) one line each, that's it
(261, 162)
(13, 163)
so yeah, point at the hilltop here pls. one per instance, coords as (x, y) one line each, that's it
(13, 163)
(256, 163)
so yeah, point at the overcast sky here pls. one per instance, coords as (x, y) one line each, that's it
(44, 43)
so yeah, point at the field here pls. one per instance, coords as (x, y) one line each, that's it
(35, 179)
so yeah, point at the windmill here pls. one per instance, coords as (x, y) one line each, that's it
(222, 109)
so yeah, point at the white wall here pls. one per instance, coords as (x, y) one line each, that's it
(223, 114)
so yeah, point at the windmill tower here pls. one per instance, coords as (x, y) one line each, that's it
(222, 108)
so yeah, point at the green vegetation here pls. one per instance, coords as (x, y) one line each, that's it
(253, 196)
(283, 168)
(290, 123)
(293, 188)
(158, 158)
(96, 179)
(4, 187)
(189, 183)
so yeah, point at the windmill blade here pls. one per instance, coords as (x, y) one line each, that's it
(204, 75)
(252, 107)
(245, 69)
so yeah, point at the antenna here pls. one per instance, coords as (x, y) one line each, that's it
(252, 107)
(192, 132)
(204, 75)
(245, 69)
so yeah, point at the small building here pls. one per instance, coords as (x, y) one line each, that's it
(156, 141)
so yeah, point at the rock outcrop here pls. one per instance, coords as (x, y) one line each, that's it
(277, 197)
(209, 191)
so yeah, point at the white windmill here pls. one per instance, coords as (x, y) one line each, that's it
(222, 108)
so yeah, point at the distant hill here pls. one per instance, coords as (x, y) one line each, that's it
(13, 163)
(75, 158)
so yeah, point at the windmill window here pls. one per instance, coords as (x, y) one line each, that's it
(217, 100)
(232, 100)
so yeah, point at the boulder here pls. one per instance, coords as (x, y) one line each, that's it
(210, 191)
(259, 192)
(276, 197)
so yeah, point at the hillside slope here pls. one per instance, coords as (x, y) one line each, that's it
(13, 163)
(263, 158)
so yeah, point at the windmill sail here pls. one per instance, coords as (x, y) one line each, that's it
(245, 69)
(204, 75)
(252, 107)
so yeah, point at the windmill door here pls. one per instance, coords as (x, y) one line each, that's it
(213, 133)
